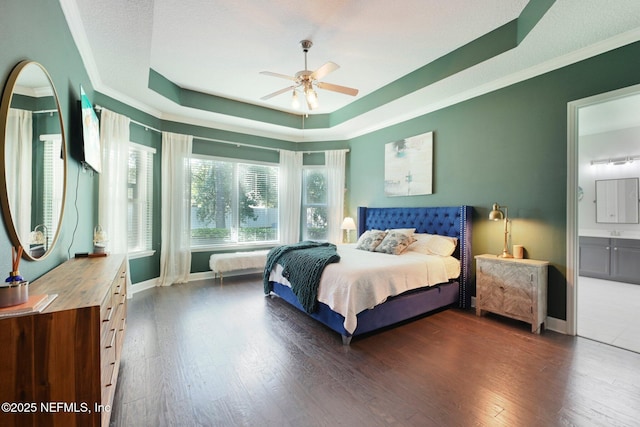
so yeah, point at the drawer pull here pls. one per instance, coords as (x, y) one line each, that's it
(113, 371)
(113, 339)
(108, 318)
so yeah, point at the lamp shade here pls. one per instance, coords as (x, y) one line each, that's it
(496, 214)
(99, 239)
(348, 224)
(38, 235)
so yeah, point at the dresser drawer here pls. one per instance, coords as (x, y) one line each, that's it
(106, 308)
(107, 355)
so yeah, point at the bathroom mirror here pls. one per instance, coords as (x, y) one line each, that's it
(34, 159)
(617, 201)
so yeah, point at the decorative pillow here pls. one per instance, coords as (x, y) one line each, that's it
(370, 239)
(407, 231)
(434, 244)
(395, 243)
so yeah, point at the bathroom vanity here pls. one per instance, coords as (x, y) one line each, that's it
(609, 258)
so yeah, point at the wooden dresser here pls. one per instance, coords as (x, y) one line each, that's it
(60, 367)
(515, 288)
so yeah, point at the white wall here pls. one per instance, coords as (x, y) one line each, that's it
(611, 144)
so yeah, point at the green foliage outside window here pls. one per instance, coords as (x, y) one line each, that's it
(229, 196)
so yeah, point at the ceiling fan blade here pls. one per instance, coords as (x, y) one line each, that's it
(282, 76)
(325, 69)
(337, 88)
(278, 92)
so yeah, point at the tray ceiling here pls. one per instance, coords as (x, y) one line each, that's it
(216, 49)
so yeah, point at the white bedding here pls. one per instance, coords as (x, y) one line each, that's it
(363, 279)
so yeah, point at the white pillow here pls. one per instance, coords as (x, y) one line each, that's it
(434, 244)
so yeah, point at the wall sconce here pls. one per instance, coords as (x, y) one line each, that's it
(39, 241)
(496, 215)
(99, 240)
(348, 224)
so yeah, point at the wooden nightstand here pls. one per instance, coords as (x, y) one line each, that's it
(515, 288)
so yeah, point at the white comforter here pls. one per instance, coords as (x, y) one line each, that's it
(362, 279)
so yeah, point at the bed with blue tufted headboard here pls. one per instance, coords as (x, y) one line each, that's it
(452, 221)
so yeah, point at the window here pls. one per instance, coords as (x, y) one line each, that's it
(53, 184)
(233, 202)
(140, 198)
(314, 204)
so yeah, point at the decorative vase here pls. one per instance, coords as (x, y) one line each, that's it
(13, 293)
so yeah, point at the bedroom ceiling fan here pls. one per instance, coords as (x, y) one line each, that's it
(306, 80)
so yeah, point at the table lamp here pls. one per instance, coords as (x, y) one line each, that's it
(496, 215)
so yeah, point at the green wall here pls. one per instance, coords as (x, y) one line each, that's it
(36, 30)
(509, 147)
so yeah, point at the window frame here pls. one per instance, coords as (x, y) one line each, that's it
(304, 205)
(147, 217)
(235, 199)
(51, 145)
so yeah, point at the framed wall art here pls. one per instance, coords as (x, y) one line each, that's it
(408, 166)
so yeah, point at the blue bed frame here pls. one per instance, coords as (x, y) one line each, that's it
(453, 221)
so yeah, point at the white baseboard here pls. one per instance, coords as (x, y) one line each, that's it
(556, 325)
(203, 275)
(142, 286)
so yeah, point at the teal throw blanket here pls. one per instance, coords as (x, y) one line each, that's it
(302, 264)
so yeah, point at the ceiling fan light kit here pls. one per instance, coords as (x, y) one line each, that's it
(306, 80)
(295, 102)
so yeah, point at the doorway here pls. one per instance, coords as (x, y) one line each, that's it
(601, 128)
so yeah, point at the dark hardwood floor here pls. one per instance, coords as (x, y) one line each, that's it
(212, 355)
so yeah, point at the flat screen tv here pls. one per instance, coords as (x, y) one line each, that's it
(90, 134)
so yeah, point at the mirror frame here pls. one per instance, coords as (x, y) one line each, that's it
(600, 197)
(5, 106)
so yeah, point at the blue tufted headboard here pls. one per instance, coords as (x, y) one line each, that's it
(453, 221)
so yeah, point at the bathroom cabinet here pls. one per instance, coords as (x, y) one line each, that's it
(610, 259)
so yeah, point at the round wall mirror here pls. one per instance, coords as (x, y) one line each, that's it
(34, 159)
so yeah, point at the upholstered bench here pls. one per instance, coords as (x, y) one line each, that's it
(238, 262)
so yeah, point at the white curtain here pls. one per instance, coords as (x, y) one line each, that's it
(175, 251)
(18, 146)
(112, 196)
(290, 193)
(335, 163)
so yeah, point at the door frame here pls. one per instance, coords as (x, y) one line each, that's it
(573, 108)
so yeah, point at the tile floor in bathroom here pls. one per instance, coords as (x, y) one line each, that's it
(609, 312)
